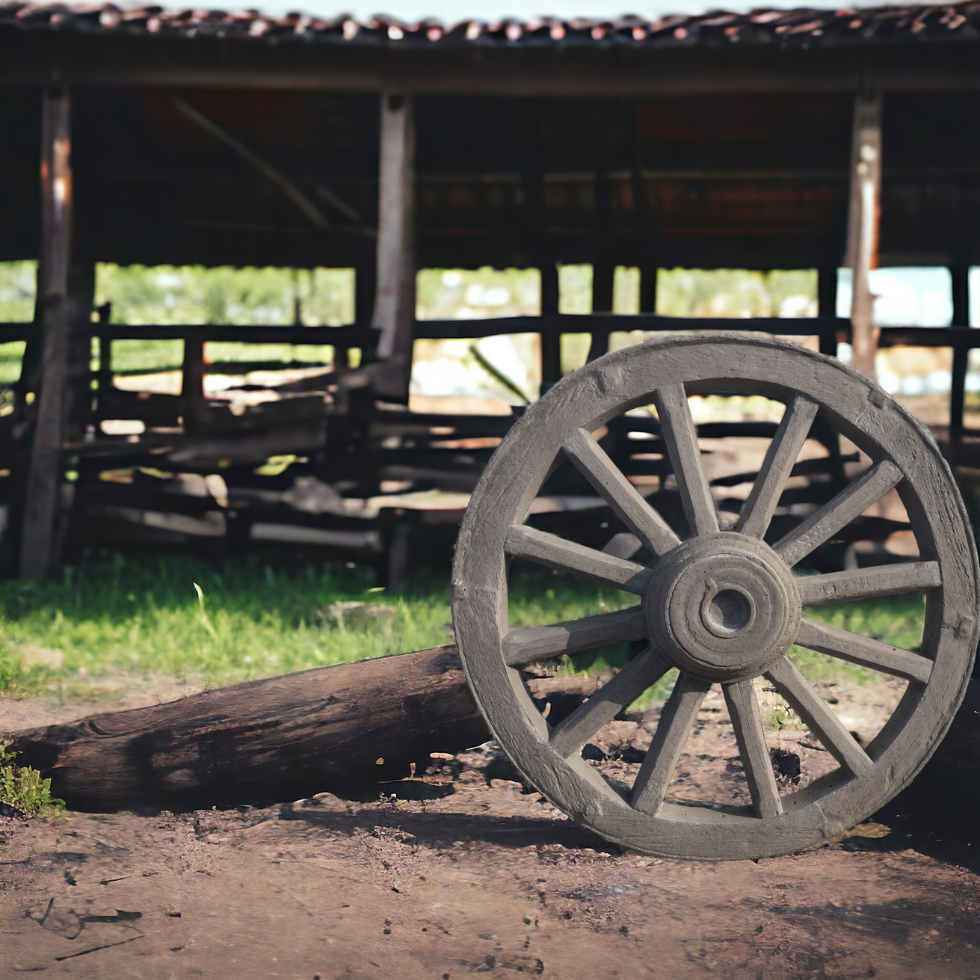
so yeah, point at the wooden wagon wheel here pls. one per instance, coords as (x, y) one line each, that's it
(720, 605)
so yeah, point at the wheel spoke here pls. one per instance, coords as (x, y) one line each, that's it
(869, 583)
(567, 556)
(783, 451)
(622, 545)
(838, 741)
(644, 670)
(743, 707)
(864, 651)
(676, 722)
(621, 495)
(685, 456)
(528, 646)
(857, 497)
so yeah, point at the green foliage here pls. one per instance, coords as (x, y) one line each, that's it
(626, 290)
(11, 356)
(146, 355)
(234, 351)
(736, 292)
(468, 294)
(18, 285)
(22, 788)
(575, 289)
(193, 294)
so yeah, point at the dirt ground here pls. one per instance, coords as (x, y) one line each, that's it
(464, 871)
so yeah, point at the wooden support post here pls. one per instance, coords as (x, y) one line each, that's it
(550, 339)
(960, 276)
(957, 393)
(365, 287)
(862, 227)
(394, 305)
(827, 305)
(960, 273)
(648, 289)
(78, 379)
(105, 356)
(44, 473)
(827, 291)
(603, 282)
(192, 386)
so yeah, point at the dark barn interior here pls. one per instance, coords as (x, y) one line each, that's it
(234, 140)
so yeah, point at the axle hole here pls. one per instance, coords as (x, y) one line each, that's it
(729, 611)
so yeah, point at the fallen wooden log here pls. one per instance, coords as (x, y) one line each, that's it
(339, 728)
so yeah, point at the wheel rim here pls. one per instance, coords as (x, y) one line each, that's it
(722, 606)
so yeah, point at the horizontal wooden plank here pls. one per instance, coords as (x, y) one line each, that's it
(351, 336)
(355, 336)
(611, 322)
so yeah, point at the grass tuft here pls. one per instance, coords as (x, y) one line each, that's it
(23, 790)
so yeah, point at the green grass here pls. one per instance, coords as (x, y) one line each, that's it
(897, 620)
(145, 618)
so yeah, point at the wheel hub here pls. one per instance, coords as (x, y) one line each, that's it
(723, 606)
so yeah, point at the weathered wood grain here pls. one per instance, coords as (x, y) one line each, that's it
(337, 728)
(709, 602)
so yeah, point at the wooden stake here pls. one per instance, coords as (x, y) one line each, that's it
(394, 306)
(862, 228)
(44, 475)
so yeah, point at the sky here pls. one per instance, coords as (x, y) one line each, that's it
(453, 11)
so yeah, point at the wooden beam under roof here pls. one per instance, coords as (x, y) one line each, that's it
(33, 58)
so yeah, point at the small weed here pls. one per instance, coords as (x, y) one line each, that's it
(23, 790)
(782, 718)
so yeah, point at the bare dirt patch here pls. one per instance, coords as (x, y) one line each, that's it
(117, 691)
(485, 881)
(463, 871)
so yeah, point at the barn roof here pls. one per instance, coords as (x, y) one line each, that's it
(809, 26)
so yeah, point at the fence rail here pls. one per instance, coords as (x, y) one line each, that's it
(829, 330)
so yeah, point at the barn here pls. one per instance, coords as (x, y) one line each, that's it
(810, 140)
